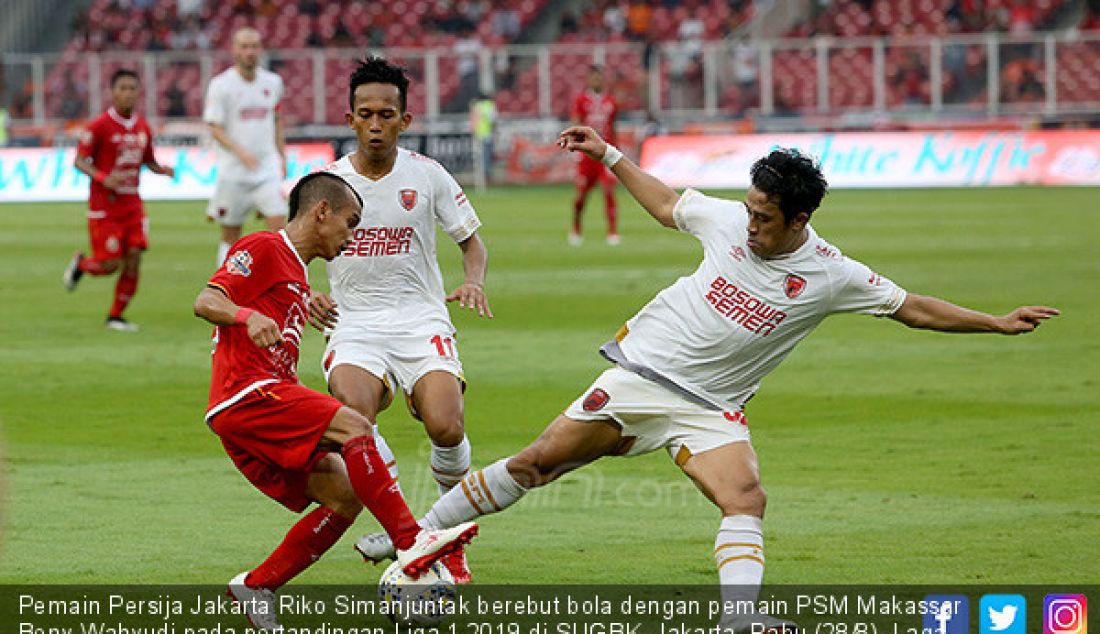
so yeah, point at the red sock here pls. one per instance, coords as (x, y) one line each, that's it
(379, 493)
(578, 210)
(92, 266)
(304, 544)
(612, 212)
(124, 292)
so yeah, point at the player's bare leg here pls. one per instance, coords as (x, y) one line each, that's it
(610, 210)
(309, 539)
(81, 264)
(125, 288)
(566, 444)
(437, 402)
(367, 394)
(729, 476)
(576, 235)
(416, 549)
(230, 234)
(275, 223)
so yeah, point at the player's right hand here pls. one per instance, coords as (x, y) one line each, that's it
(112, 181)
(580, 138)
(249, 160)
(262, 330)
(322, 311)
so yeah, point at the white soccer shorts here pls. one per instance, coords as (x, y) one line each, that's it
(657, 417)
(233, 200)
(400, 359)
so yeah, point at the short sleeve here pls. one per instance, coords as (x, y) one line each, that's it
(700, 215)
(864, 291)
(578, 108)
(214, 105)
(148, 158)
(452, 209)
(88, 142)
(250, 269)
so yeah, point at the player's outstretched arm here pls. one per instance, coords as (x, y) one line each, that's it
(656, 197)
(222, 137)
(322, 311)
(931, 313)
(475, 262)
(213, 306)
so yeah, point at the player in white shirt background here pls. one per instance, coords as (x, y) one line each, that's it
(241, 111)
(388, 313)
(686, 364)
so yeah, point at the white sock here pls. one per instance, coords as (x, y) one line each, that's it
(450, 464)
(481, 492)
(223, 250)
(739, 554)
(386, 454)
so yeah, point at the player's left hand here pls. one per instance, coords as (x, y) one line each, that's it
(167, 170)
(1026, 319)
(322, 311)
(582, 139)
(471, 295)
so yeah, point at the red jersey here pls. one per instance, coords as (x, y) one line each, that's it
(598, 111)
(265, 273)
(120, 146)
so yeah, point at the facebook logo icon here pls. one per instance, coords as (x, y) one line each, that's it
(946, 614)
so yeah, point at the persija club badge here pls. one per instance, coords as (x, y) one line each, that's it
(794, 285)
(407, 198)
(240, 263)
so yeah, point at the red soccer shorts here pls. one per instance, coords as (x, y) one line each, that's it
(116, 232)
(590, 171)
(272, 436)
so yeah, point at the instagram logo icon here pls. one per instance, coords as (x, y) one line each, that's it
(1065, 614)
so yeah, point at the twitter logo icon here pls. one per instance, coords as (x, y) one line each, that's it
(1003, 614)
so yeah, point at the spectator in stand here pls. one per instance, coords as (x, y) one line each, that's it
(639, 19)
(22, 102)
(569, 21)
(74, 96)
(267, 9)
(341, 37)
(309, 7)
(1021, 17)
(911, 80)
(177, 103)
(188, 8)
(614, 20)
(1031, 88)
(506, 24)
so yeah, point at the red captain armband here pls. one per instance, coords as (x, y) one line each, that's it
(242, 316)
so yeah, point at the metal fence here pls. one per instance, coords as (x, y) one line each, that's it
(1046, 74)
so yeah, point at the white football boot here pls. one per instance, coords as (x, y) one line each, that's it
(258, 604)
(432, 545)
(376, 547)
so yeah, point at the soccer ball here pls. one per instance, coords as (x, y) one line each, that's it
(426, 600)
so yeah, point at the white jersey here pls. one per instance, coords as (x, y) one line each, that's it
(718, 332)
(388, 276)
(246, 111)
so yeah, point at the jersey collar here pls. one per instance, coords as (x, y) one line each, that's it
(122, 121)
(290, 245)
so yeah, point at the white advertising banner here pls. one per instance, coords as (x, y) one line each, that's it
(47, 174)
(887, 159)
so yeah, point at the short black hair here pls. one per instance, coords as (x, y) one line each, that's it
(315, 187)
(377, 70)
(790, 179)
(123, 72)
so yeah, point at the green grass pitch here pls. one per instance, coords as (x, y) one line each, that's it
(889, 455)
